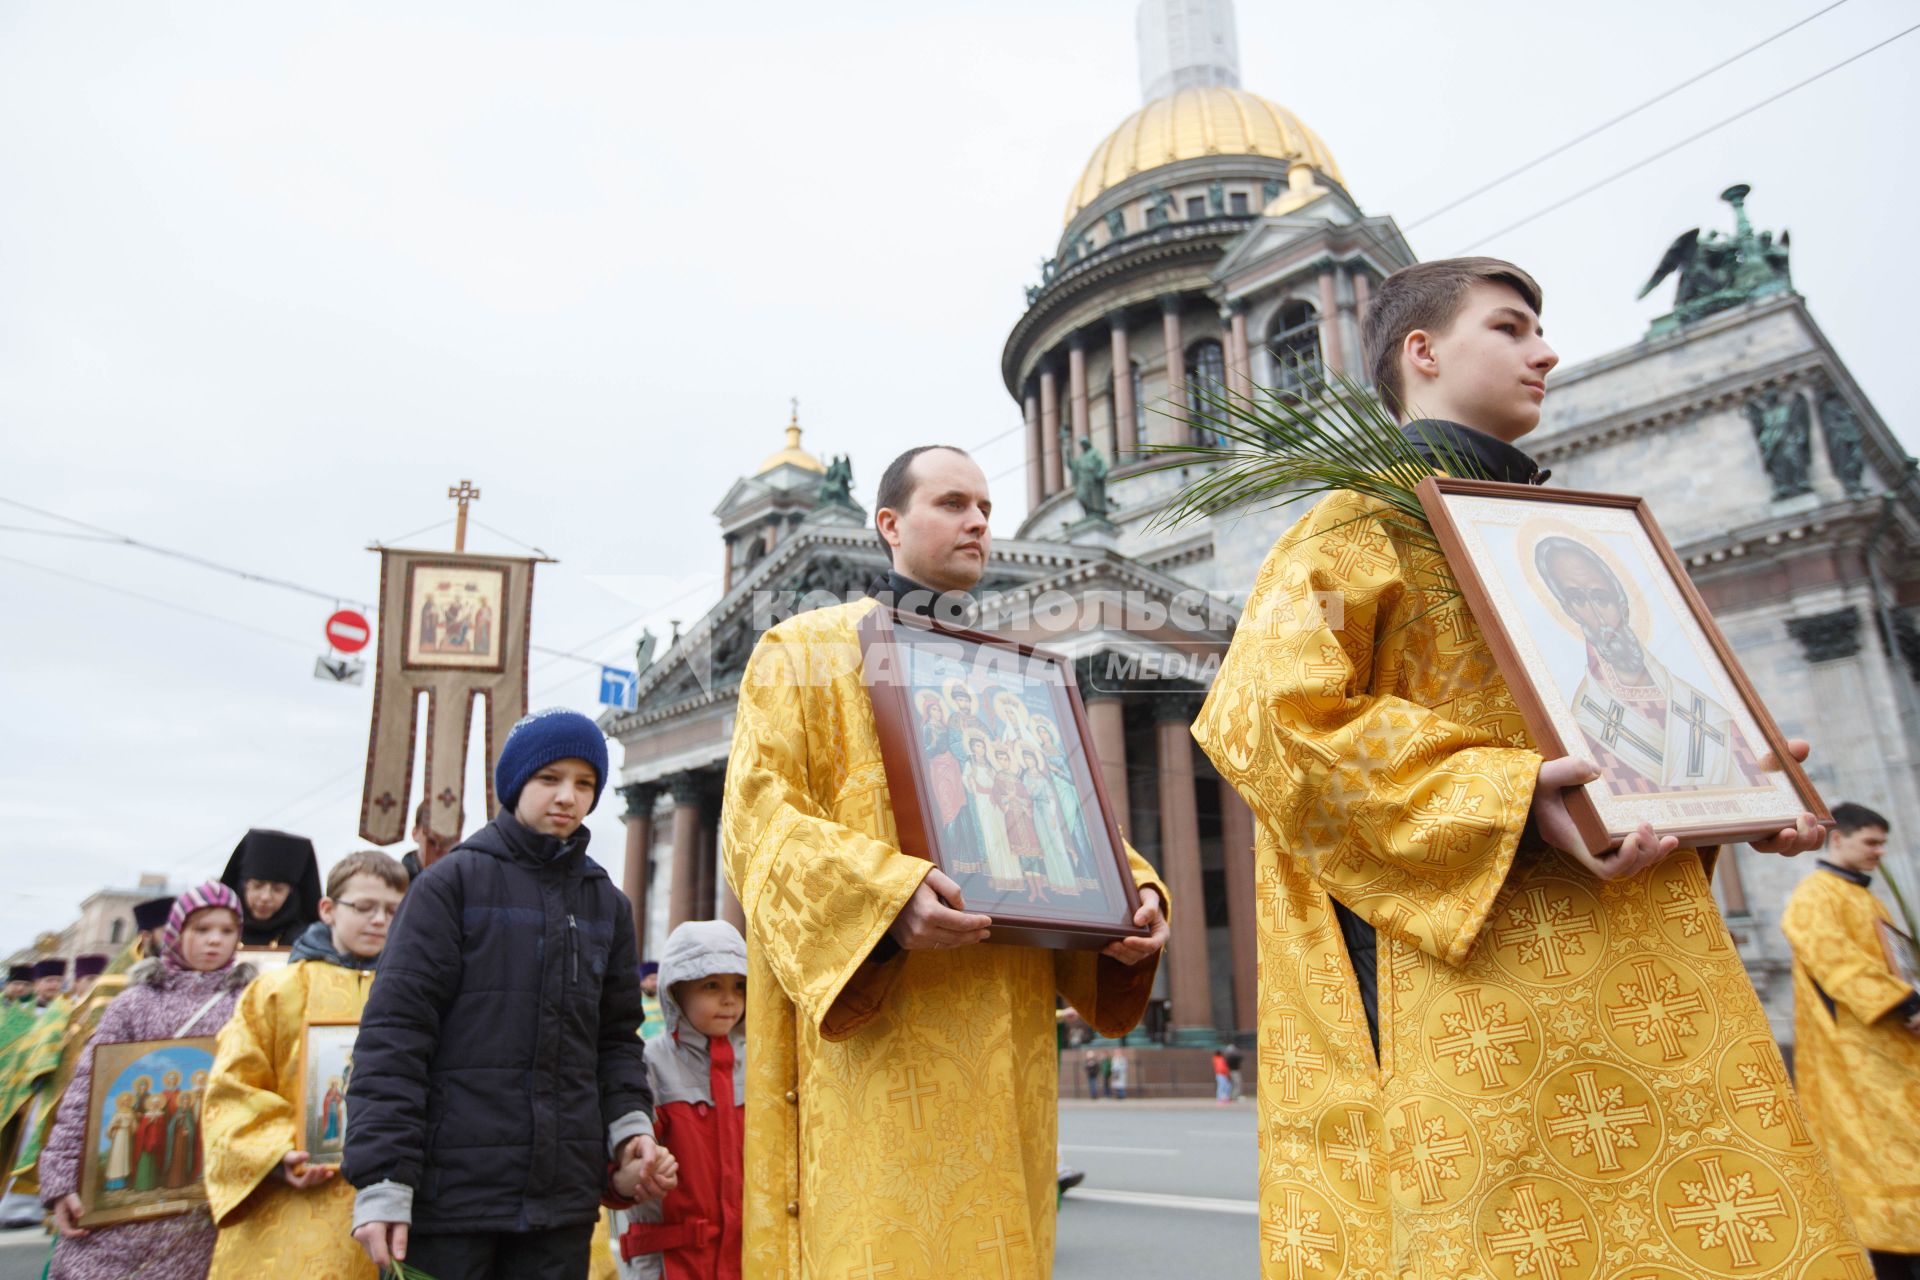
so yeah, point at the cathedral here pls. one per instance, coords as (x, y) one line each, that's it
(1211, 242)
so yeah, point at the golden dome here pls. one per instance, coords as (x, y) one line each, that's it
(1191, 124)
(793, 454)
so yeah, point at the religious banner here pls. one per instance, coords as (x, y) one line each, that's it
(1612, 656)
(990, 772)
(453, 626)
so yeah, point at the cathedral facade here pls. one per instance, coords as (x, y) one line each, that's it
(1211, 243)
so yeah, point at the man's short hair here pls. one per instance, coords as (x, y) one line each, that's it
(1557, 545)
(423, 816)
(1849, 817)
(1427, 295)
(897, 484)
(366, 862)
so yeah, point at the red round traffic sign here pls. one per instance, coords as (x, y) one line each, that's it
(348, 631)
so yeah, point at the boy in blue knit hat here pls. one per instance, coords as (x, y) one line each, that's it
(499, 1089)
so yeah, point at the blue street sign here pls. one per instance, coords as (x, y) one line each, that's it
(619, 689)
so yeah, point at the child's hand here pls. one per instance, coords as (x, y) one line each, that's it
(294, 1170)
(639, 1176)
(66, 1217)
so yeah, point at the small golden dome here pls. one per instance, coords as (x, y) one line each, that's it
(1191, 124)
(793, 454)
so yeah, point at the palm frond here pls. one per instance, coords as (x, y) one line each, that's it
(1268, 449)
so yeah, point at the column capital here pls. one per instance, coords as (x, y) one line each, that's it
(1825, 637)
(639, 797)
(688, 788)
(1077, 340)
(1085, 676)
(1176, 705)
(1171, 303)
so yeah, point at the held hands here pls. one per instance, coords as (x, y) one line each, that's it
(1643, 847)
(294, 1170)
(647, 1170)
(66, 1216)
(1131, 951)
(936, 917)
(1913, 1025)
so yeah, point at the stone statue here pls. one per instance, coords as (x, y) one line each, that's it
(1160, 208)
(1781, 425)
(1718, 272)
(1216, 197)
(1845, 447)
(1270, 191)
(1033, 294)
(1116, 223)
(836, 486)
(1090, 480)
(643, 651)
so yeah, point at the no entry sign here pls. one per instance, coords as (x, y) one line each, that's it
(348, 632)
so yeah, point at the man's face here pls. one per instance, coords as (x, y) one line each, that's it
(83, 987)
(556, 798)
(265, 897)
(651, 984)
(432, 846)
(47, 988)
(940, 539)
(1489, 367)
(962, 702)
(1593, 599)
(1858, 850)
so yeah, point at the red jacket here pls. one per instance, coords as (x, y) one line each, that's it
(699, 1234)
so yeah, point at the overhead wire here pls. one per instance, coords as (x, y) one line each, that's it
(1628, 114)
(153, 600)
(1690, 139)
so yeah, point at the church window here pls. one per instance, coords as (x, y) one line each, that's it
(1196, 207)
(1237, 203)
(1206, 387)
(114, 935)
(1295, 347)
(1156, 215)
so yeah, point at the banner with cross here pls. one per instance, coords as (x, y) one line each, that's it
(454, 626)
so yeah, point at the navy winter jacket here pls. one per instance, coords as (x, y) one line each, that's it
(499, 1044)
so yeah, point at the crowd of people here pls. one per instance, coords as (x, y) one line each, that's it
(1479, 1036)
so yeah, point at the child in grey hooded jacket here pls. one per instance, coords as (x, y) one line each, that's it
(696, 1068)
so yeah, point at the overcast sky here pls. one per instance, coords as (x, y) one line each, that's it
(273, 276)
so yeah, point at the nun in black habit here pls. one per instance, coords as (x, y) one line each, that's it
(278, 878)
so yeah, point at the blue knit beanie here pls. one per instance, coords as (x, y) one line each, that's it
(543, 737)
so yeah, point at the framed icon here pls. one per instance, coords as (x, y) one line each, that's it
(993, 776)
(455, 616)
(142, 1156)
(326, 1072)
(1611, 655)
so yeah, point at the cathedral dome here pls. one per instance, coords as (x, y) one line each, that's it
(1191, 124)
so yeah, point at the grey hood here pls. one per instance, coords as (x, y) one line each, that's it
(698, 949)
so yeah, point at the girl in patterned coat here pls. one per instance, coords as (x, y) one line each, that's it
(188, 991)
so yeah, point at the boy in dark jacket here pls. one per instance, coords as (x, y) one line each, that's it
(498, 1076)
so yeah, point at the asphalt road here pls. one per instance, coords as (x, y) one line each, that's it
(1169, 1192)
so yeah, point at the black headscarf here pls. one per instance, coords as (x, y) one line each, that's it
(289, 859)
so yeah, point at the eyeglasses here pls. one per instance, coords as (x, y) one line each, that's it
(372, 910)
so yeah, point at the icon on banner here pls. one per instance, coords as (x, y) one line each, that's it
(619, 689)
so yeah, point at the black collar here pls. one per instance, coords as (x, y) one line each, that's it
(957, 608)
(1860, 878)
(1495, 458)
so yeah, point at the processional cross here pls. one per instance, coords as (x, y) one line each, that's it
(463, 494)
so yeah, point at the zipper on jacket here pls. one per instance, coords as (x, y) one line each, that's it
(573, 949)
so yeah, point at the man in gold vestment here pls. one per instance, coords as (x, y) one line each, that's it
(1857, 1041)
(902, 1083)
(1480, 1056)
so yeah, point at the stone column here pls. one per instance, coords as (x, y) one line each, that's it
(1078, 427)
(726, 574)
(1362, 295)
(1239, 365)
(687, 793)
(708, 863)
(1036, 451)
(1236, 847)
(639, 816)
(1050, 427)
(1176, 369)
(1190, 980)
(1332, 351)
(1106, 716)
(1126, 439)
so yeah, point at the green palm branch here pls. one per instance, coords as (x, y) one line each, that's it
(1267, 449)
